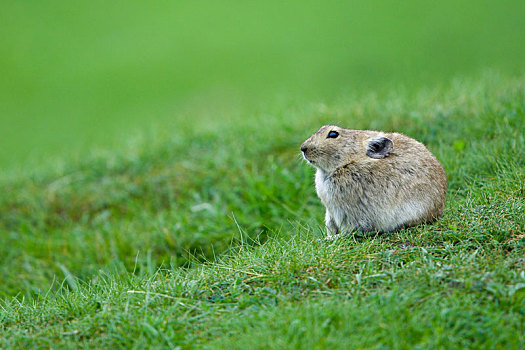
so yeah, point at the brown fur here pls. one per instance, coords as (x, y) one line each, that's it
(395, 184)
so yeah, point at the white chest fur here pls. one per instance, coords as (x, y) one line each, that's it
(335, 214)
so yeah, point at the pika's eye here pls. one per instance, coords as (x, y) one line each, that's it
(332, 134)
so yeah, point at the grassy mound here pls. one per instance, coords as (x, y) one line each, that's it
(211, 236)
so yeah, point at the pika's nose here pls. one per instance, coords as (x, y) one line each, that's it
(304, 148)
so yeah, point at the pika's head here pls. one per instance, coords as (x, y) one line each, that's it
(333, 147)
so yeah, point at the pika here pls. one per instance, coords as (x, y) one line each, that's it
(374, 181)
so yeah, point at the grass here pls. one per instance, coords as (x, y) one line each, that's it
(78, 74)
(210, 235)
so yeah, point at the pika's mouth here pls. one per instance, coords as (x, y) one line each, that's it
(307, 159)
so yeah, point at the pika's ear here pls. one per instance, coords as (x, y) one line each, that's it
(379, 147)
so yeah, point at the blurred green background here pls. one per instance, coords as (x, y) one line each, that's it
(81, 75)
